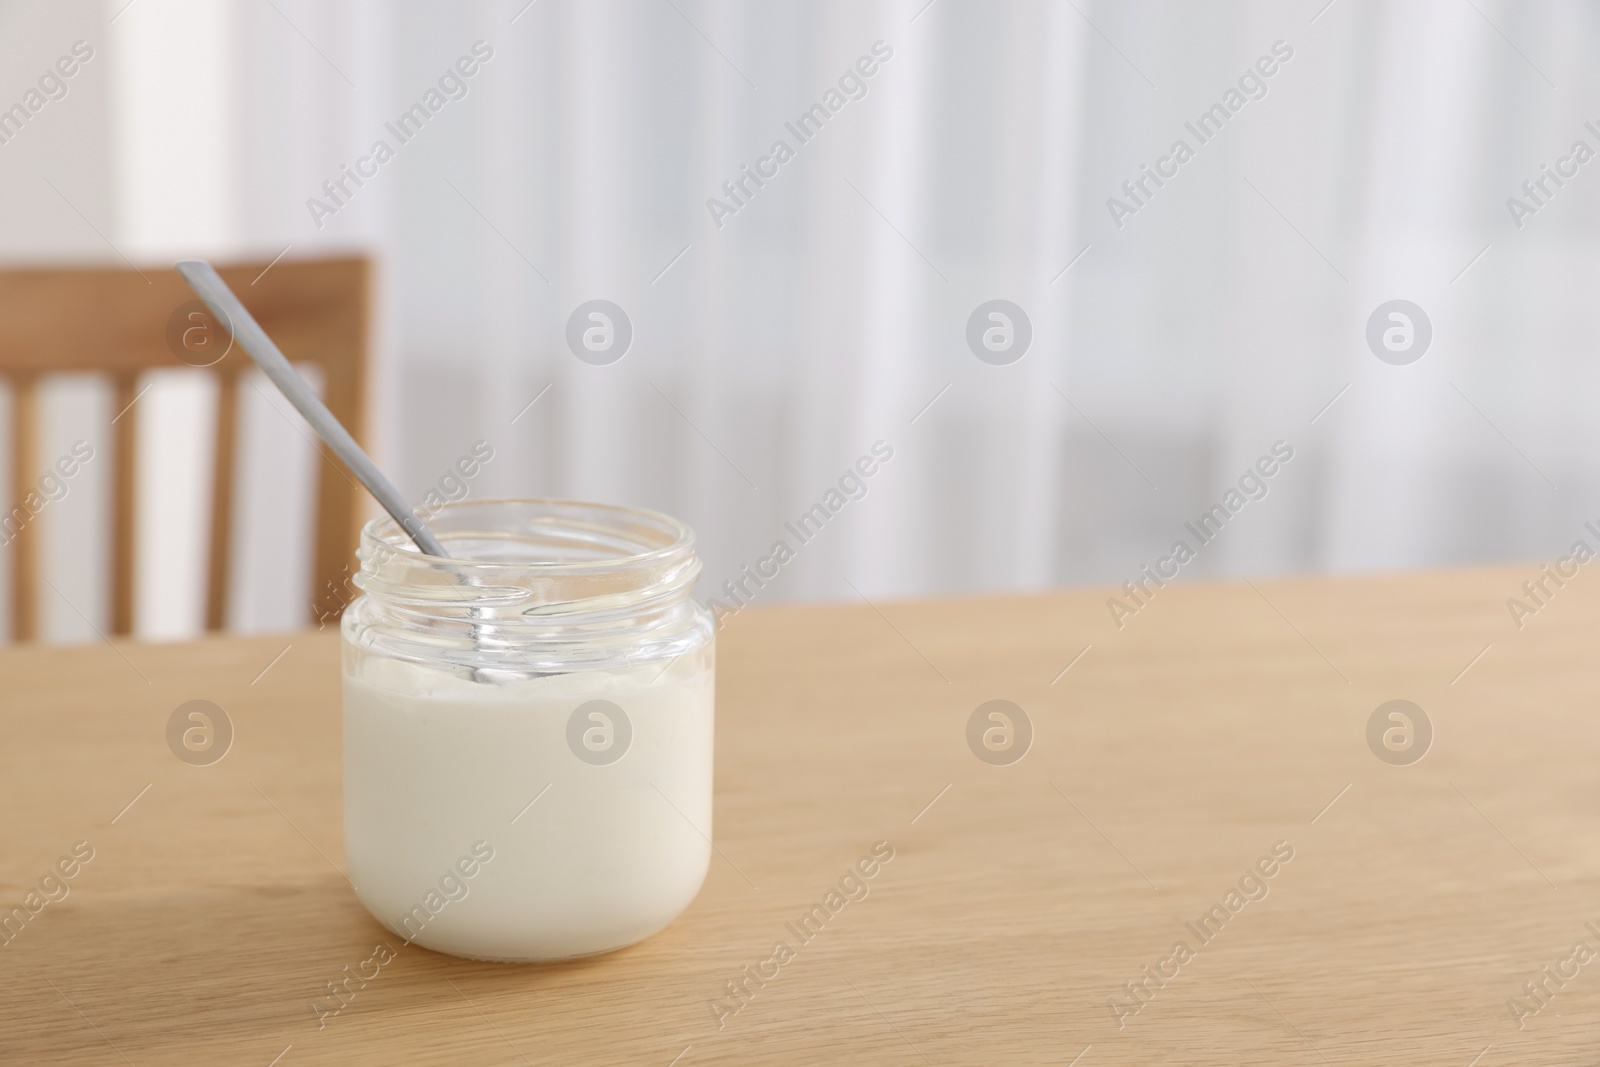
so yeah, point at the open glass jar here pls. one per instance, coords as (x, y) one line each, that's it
(528, 729)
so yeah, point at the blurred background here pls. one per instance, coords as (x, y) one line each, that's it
(778, 335)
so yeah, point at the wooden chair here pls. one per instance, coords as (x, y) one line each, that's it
(116, 323)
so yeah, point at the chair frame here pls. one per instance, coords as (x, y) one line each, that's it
(115, 322)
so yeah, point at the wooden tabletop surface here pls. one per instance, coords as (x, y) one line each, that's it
(1167, 765)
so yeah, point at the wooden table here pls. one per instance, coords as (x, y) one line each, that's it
(1021, 899)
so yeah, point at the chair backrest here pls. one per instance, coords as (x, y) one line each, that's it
(120, 323)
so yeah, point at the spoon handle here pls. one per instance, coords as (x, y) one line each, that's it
(210, 287)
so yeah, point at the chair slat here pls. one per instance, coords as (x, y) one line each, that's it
(19, 521)
(222, 497)
(123, 494)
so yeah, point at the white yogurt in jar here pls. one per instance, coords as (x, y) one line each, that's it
(473, 827)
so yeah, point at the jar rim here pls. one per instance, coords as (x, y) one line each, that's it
(543, 586)
(674, 536)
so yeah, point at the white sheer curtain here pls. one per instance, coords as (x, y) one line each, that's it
(772, 351)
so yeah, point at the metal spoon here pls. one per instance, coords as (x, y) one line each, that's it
(210, 287)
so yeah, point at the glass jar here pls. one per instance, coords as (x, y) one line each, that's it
(528, 729)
